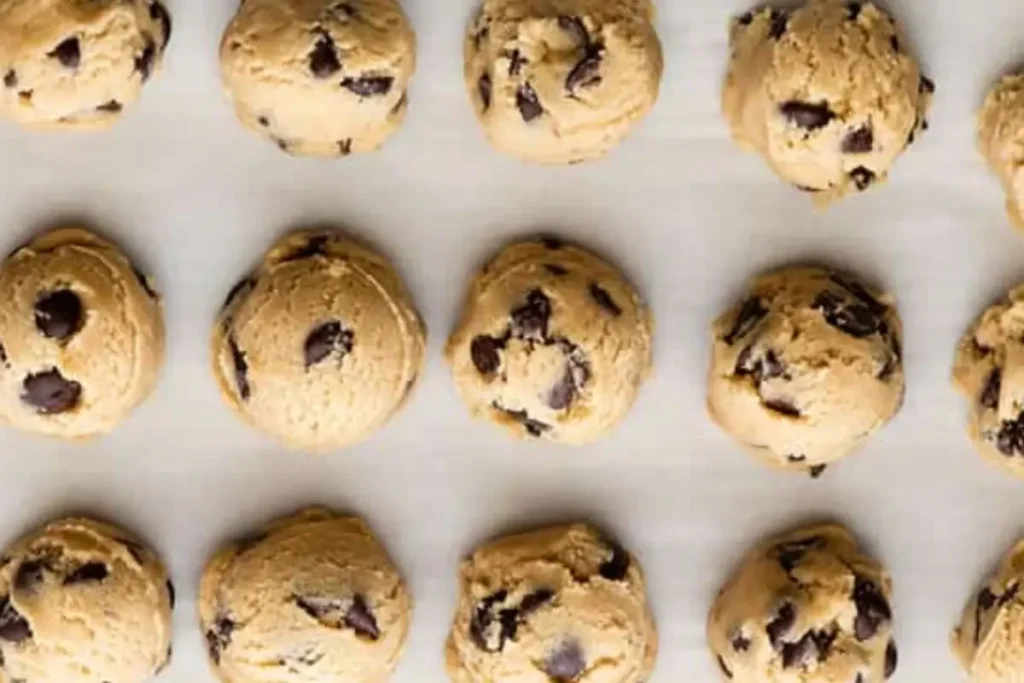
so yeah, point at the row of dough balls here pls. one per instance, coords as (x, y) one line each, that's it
(315, 597)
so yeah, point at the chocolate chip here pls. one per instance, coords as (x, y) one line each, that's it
(986, 600)
(323, 59)
(1009, 594)
(530, 320)
(807, 115)
(817, 470)
(314, 246)
(282, 144)
(219, 637)
(360, 619)
(263, 121)
(484, 352)
(111, 107)
(854, 319)
(615, 567)
(872, 609)
(68, 52)
(761, 368)
(780, 625)
(586, 73)
(604, 299)
(796, 654)
(29, 575)
(740, 643)
(346, 8)
(171, 594)
(134, 549)
(556, 270)
(862, 177)
(562, 394)
(11, 79)
(565, 663)
(576, 27)
(50, 393)
(483, 86)
(723, 667)
(527, 102)
(859, 291)
(368, 86)
(796, 458)
(993, 386)
(144, 62)
(1010, 438)
(746, 19)
(533, 601)
(782, 407)
(894, 43)
(482, 620)
(90, 571)
(516, 60)
(58, 314)
(241, 369)
(853, 10)
(891, 659)
(325, 340)
(14, 628)
(859, 141)
(317, 606)
(747, 319)
(780, 21)
(790, 554)
(552, 243)
(345, 147)
(533, 427)
(926, 85)
(809, 190)
(158, 12)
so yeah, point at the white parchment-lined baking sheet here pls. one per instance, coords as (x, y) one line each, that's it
(196, 200)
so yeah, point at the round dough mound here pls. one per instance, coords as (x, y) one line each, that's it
(321, 345)
(804, 606)
(558, 604)
(319, 77)
(1001, 140)
(553, 343)
(81, 336)
(311, 597)
(989, 372)
(562, 81)
(806, 368)
(987, 641)
(83, 601)
(827, 94)
(77, 63)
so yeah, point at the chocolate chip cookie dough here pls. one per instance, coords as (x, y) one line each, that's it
(311, 597)
(319, 77)
(989, 373)
(83, 601)
(81, 336)
(75, 64)
(558, 604)
(553, 343)
(1001, 139)
(319, 346)
(828, 94)
(804, 606)
(564, 81)
(806, 367)
(987, 641)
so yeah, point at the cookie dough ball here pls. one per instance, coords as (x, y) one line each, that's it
(804, 606)
(81, 336)
(553, 343)
(77, 63)
(988, 641)
(806, 367)
(828, 94)
(565, 81)
(1001, 140)
(321, 345)
(989, 373)
(313, 597)
(83, 601)
(558, 604)
(319, 77)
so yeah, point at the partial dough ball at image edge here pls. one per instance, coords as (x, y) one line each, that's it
(69, 64)
(83, 600)
(987, 641)
(81, 336)
(828, 94)
(317, 77)
(553, 343)
(319, 346)
(1000, 136)
(805, 605)
(562, 603)
(562, 82)
(313, 596)
(806, 367)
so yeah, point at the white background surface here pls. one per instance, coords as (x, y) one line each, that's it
(195, 200)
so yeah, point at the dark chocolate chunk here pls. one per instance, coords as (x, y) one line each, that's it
(556, 270)
(90, 571)
(862, 177)
(780, 21)
(535, 600)
(144, 62)
(587, 72)
(817, 471)
(552, 243)
(790, 554)
(782, 407)
(986, 600)
(29, 575)
(263, 121)
(50, 393)
(761, 368)
(724, 669)
(993, 385)
(58, 314)
(14, 628)
(330, 338)
(345, 147)
(615, 567)
(872, 609)
(853, 10)
(604, 299)
(136, 550)
(926, 85)
(323, 59)
(1009, 594)
(855, 319)
(368, 86)
(515, 62)
(485, 354)
(576, 27)
(483, 86)
(859, 291)
(780, 625)
(483, 618)
(533, 427)
(315, 246)
(171, 594)
(740, 643)
(566, 663)
(894, 43)
(11, 79)
(218, 638)
(859, 141)
(282, 144)
(159, 13)
(1010, 438)
(530, 320)
(317, 606)
(562, 393)
(68, 52)
(111, 107)
(807, 115)
(891, 659)
(799, 652)
(796, 458)
(528, 103)
(241, 369)
(360, 619)
(747, 319)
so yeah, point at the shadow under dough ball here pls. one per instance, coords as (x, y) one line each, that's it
(81, 336)
(74, 64)
(807, 606)
(828, 94)
(321, 345)
(562, 82)
(82, 600)
(553, 343)
(313, 596)
(1001, 140)
(562, 603)
(806, 367)
(319, 77)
